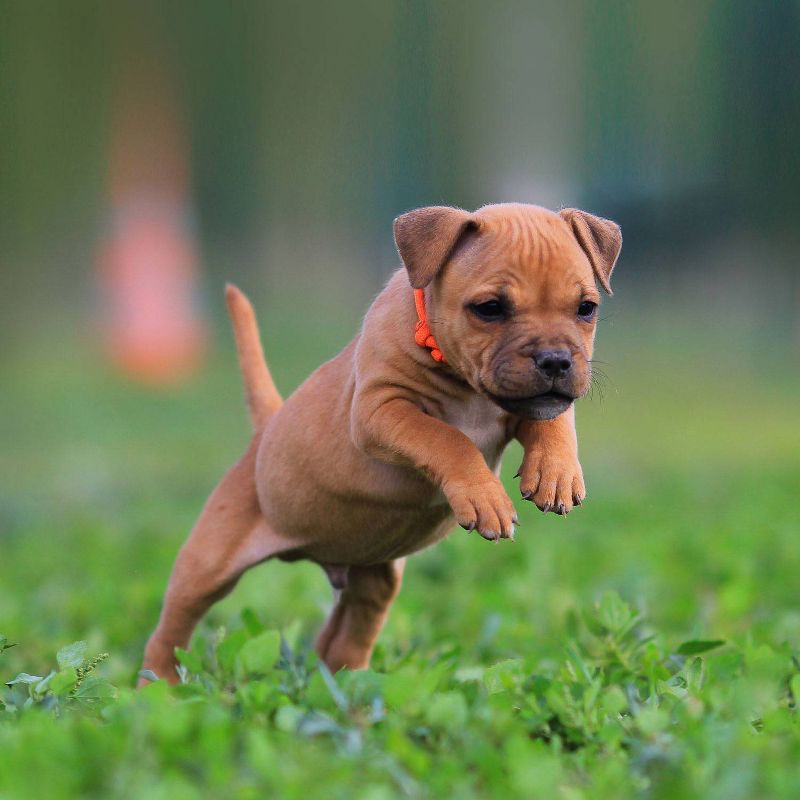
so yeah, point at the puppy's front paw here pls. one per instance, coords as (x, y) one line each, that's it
(484, 507)
(553, 482)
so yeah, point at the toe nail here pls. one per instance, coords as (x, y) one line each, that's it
(546, 507)
(562, 509)
(526, 495)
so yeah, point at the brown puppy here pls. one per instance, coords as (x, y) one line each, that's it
(383, 448)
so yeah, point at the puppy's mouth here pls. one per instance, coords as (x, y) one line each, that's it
(547, 405)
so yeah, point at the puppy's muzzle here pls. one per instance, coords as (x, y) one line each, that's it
(554, 378)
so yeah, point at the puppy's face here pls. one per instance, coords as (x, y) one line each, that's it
(514, 307)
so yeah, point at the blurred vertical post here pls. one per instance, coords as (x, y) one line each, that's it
(148, 263)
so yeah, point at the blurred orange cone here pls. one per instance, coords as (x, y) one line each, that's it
(148, 273)
(148, 265)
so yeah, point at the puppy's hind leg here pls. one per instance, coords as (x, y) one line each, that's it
(360, 612)
(229, 537)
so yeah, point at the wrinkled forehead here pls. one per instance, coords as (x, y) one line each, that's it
(524, 249)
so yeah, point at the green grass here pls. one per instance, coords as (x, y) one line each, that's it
(512, 670)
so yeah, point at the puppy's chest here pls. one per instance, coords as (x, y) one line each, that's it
(483, 423)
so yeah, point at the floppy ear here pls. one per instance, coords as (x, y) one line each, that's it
(426, 237)
(600, 239)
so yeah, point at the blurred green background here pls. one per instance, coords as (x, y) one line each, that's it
(306, 128)
(274, 143)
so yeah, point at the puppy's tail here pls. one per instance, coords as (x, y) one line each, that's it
(263, 399)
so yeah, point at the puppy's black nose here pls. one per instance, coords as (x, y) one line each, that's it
(554, 363)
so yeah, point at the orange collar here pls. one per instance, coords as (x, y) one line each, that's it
(422, 333)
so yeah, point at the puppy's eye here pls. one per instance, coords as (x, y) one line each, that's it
(586, 309)
(490, 311)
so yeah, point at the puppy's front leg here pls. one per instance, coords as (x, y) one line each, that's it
(551, 475)
(397, 431)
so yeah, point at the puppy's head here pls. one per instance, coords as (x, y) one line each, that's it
(511, 296)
